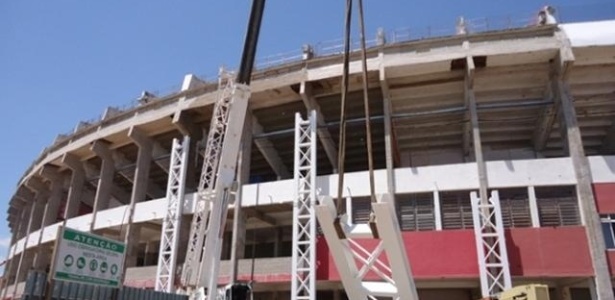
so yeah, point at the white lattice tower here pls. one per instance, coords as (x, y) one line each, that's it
(490, 245)
(304, 218)
(211, 157)
(356, 262)
(171, 223)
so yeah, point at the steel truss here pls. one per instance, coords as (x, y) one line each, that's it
(211, 157)
(215, 189)
(491, 245)
(171, 224)
(395, 277)
(304, 220)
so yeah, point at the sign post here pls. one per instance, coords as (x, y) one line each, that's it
(88, 258)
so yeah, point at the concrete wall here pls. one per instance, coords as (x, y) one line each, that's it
(516, 173)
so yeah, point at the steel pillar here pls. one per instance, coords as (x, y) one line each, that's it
(169, 240)
(304, 219)
(493, 266)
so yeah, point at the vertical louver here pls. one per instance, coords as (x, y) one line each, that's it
(415, 212)
(361, 208)
(456, 210)
(515, 206)
(557, 206)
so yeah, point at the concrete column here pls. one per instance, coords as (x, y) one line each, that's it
(476, 139)
(437, 210)
(278, 242)
(139, 188)
(337, 294)
(238, 240)
(184, 238)
(132, 252)
(587, 203)
(562, 293)
(186, 125)
(27, 198)
(39, 254)
(25, 219)
(75, 189)
(26, 265)
(11, 269)
(388, 133)
(151, 247)
(531, 192)
(42, 257)
(55, 198)
(40, 201)
(24, 262)
(105, 181)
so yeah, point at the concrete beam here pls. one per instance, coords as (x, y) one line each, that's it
(36, 185)
(41, 190)
(546, 120)
(117, 193)
(76, 184)
(159, 151)
(268, 151)
(153, 190)
(105, 181)
(151, 226)
(111, 112)
(323, 132)
(24, 194)
(259, 215)
(191, 81)
(608, 143)
(56, 180)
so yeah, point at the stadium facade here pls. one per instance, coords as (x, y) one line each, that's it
(545, 107)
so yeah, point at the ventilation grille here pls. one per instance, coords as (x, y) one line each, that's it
(515, 206)
(361, 208)
(415, 212)
(557, 206)
(456, 210)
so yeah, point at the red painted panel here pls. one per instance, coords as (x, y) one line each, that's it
(533, 252)
(443, 254)
(605, 197)
(553, 252)
(447, 253)
(610, 256)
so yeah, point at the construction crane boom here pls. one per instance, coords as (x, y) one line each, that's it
(220, 161)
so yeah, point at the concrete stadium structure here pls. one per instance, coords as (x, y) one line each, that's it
(543, 105)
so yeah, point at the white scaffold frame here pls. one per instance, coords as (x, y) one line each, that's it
(396, 280)
(493, 262)
(304, 219)
(171, 224)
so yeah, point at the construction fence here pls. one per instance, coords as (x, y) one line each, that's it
(36, 289)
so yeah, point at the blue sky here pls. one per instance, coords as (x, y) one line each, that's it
(64, 61)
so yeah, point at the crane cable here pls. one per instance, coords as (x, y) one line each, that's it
(368, 128)
(342, 134)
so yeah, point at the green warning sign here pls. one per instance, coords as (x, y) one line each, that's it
(88, 258)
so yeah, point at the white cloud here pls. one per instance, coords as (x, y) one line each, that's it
(5, 242)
